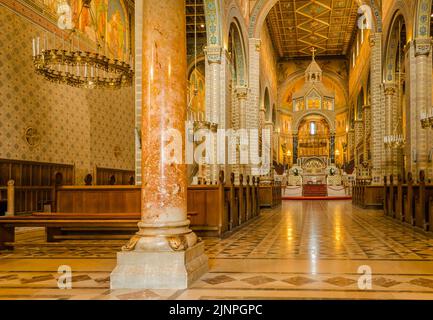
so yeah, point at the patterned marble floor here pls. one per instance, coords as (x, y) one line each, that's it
(302, 250)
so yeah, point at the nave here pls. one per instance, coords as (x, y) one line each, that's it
(302, 249)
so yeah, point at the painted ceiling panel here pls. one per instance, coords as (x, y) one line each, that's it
(297, 25)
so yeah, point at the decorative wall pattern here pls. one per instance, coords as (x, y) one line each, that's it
(75, 126)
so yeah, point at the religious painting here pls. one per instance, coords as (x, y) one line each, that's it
(117, 29)
(110, 18)
(196, 95)
(298, 105)
(328, 104)
(314, 101)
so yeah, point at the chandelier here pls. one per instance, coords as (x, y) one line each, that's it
(427, 119)
(394, 141)
(80, 68)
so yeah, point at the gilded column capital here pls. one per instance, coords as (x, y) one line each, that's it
(423, 46)
(213, 53)
(389, 89)
(257, 43)
(242, 92)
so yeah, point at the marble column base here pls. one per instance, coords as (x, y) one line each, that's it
(159, 270)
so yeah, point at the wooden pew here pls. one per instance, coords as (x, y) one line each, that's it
(53, 223)
(399, 199)
(410, 203)
(385, 196)
(421, 203)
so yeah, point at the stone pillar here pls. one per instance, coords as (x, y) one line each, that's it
(377, 111)
(367, 130)
(359, 134)
(423, 98)
(389, 124)
(213, 99)
(242, 95)
(164, 253)
(254, 114)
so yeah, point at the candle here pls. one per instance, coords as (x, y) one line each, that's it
(92, 71)
(34, 47)
(85, 70)
(37, 45)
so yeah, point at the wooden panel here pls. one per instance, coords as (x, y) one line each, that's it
(105, 176)
(98, 199)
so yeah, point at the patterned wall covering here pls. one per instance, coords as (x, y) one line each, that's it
(74, 126)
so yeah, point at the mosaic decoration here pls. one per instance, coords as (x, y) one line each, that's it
(423, 18)
(211, 11)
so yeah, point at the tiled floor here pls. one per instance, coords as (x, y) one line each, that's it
(311, 249)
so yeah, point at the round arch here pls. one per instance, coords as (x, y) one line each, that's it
(394, 38)
(267, 104)
(360, 103)
(298, 121)
(236, 45)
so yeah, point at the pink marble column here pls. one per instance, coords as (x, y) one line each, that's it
(164, 253)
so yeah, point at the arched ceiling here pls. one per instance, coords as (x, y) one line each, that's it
(298, 25)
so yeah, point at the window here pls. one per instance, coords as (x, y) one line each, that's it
(313, 128)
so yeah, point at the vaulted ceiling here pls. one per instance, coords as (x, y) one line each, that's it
(298, 25)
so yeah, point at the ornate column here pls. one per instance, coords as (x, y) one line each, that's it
(423, 98)
(242, 95)
(295, 149)
(377, 110)
(359, 134)
(367, 130)
(332, 148)
(164, 253)
(254, 114)
(213, 100)
(389, 90)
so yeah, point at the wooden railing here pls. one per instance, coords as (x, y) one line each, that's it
(25, 200)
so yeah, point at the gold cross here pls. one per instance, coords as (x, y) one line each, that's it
(313, 50)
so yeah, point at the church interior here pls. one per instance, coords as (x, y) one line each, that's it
(216, 149)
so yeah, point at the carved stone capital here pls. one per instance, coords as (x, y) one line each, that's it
(389, 89)
(257, 43)
(213, 54)
(242, 92)
(422, 46)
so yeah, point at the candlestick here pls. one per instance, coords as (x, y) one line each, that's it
(34, 47)
(37, 45)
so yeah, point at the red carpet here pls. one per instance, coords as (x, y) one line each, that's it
(318, 198)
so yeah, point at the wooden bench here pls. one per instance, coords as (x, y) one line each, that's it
(55, 224)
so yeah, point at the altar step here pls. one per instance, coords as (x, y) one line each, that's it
(315, 190)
